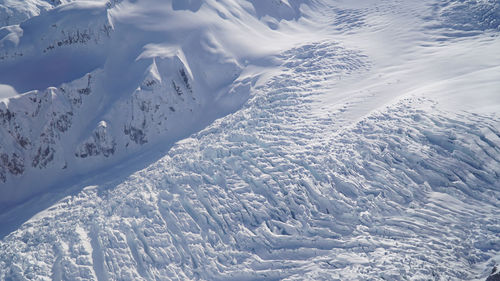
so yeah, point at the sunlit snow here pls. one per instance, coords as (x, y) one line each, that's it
(249, 140)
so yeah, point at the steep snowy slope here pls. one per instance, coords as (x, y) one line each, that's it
(358, 140)
(109, 81)
(16, 11)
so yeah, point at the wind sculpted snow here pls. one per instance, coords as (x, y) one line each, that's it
(146, 69)
(369, 150)
(275, 191)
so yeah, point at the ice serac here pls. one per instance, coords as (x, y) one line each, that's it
(467, 17)
(100, 83)
(368, 149)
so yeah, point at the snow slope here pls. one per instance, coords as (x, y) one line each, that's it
(105, 82)
(16, 11)
(361, 141)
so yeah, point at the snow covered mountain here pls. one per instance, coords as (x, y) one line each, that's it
(249, 139)
(16, 11)
(103, 82)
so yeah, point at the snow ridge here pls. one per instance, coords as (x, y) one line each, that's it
(467, 18)
(159, 91)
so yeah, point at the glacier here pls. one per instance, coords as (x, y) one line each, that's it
(249, 140)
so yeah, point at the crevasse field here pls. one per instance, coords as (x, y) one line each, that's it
(249, 140)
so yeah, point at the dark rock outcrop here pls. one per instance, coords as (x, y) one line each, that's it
(495, 274)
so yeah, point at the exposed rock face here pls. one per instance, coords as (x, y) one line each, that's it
(37, 127)
(100, 143)
(495, 274)
(165, 92)
(10, 163)
(68, 26)
(33, 125)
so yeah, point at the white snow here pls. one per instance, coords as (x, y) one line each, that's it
(353, 140)
(7, 91)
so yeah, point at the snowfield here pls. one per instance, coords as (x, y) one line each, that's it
(250, 140)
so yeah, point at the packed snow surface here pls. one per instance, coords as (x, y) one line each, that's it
(250, 140)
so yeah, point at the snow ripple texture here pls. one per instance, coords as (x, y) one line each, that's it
(461, 18)
(278, 191)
